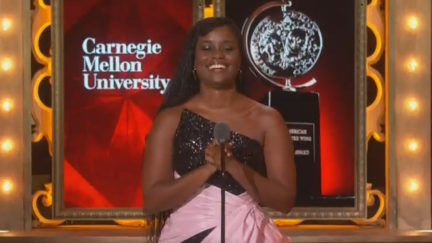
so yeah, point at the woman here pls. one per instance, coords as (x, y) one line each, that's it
(207, 89)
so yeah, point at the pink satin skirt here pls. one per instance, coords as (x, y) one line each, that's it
(244, 220)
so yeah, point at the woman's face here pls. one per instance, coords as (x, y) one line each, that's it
(218, 58)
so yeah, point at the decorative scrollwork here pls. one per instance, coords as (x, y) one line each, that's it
(41, 113)
(376, 219)
(47, 201)
(375, 111)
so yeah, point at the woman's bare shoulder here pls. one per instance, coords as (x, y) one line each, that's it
(263, 113)
(167, 120)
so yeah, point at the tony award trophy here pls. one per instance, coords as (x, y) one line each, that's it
(282, 45)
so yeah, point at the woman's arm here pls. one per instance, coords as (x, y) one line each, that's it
(161, 191)
(278, 190)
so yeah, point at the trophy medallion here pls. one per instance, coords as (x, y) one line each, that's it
(281, 46)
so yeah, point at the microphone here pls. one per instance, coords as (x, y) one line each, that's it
(221, 134)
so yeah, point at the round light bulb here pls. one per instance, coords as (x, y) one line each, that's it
(412, 105)
(413, 186)
(412, 145)
(7, 186)
(6, 24)
(6, 64)
(7, 145)
(412, 65)
(7, 105)
(413, 22)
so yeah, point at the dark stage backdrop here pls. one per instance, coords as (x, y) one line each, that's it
(334, 73)
(106, 117)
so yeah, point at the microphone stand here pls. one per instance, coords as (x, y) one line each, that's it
(223, 181)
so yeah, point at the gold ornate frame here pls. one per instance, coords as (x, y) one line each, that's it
(359, 211)
(59, 211)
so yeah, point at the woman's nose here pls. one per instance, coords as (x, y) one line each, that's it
(218, 54)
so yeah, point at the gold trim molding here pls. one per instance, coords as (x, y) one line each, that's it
(375, 112)
(42, 114)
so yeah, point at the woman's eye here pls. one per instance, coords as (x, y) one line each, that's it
(209, 48)
(206, 48)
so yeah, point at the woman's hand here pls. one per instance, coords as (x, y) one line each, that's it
(213, 153)
(228, 150)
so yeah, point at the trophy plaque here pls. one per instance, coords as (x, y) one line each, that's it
(282, 45)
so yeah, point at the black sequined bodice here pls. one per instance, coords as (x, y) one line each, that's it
(193, 134)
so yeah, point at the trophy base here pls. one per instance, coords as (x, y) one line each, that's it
(301, 113)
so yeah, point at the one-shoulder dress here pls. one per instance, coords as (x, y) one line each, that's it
(198, 220)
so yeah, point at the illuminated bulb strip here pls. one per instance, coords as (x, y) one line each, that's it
(412, 104)
(6, 105)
